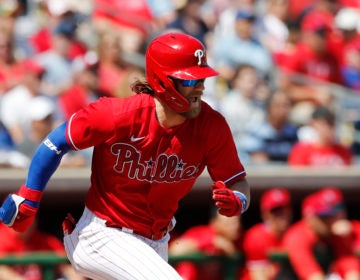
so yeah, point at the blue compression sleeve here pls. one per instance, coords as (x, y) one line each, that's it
(47, 158)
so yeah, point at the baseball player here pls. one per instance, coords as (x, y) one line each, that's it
(148, 151)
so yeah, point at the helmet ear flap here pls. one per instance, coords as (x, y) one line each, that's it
(165, 90)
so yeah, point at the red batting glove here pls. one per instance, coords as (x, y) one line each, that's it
(19, 210)
(68, 224)
(226, 200)
(25, 217)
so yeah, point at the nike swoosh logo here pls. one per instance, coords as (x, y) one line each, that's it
(136, 139)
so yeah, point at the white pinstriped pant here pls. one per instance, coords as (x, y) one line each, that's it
(104, 253)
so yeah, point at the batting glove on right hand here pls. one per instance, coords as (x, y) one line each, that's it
(229, 202)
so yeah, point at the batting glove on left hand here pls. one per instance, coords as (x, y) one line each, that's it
(230, 203)
(19, 210)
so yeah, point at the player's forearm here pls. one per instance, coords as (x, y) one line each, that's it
(47, 158)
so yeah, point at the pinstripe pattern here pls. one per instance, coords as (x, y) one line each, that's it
(103, 253)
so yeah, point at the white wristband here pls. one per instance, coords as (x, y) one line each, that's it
(243, 200)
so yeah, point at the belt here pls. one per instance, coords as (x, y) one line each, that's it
(148, 235)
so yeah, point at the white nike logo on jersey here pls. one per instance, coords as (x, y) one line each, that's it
(136, 139)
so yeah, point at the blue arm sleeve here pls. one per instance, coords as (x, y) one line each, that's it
(47, 158)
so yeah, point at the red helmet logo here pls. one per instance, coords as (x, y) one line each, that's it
(199, 54)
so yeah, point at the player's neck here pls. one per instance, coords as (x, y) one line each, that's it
(166, 117)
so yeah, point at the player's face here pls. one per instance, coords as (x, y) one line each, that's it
(279, 218)
(192, 92)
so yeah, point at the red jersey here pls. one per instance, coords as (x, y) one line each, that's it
(204, 237)
(110, 78)
(73, 99)
(304, 60)
(302, 244)
(350, 3)
(141, 170)
(356, 230)
(134, 14)
(11, 242)
(258, 242)
(308, 154)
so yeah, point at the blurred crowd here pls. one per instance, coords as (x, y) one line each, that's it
(323, 243)
(280, 63)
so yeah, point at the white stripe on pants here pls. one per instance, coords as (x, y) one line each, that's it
(104, 253)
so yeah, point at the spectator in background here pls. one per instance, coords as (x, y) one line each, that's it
(40, 114)
(189, 20)
(264, 238)
(114, 73)
(350, 71)
(311, 63)
(133, 20)
(224, 25)
(320, 245)
(84, 89)
(320, 147)
(15, 102)
(42, 117)
(54, 13)
(8, 63)
(344, 43)
(33, 240)
(350, 3)
(345, 32)
(242, 47)
(297, 8)
(56, 61)
(163, 12)
(9, 156)
(272, 138)
(272, 29)
(221, 236)
(240, 105)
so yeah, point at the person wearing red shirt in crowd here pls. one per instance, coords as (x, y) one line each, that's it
(132, 20)
(221, 236)
(311, 64)
(321, 243)
(30, 241)
(344, 43)
(10, 74)
(344, 33)
(350, 3)
(322, 149)
(265, 237)
(311, 56)
(83, 91)
(70, 19)
(115, 74)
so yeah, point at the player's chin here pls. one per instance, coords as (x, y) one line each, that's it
(194, 110)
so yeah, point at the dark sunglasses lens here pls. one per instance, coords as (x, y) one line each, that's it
(189, 83)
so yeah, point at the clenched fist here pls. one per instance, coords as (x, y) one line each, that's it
(229, 202)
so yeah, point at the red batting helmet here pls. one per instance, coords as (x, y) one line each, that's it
(179, 56)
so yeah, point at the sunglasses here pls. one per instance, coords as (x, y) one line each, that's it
(190, 83)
